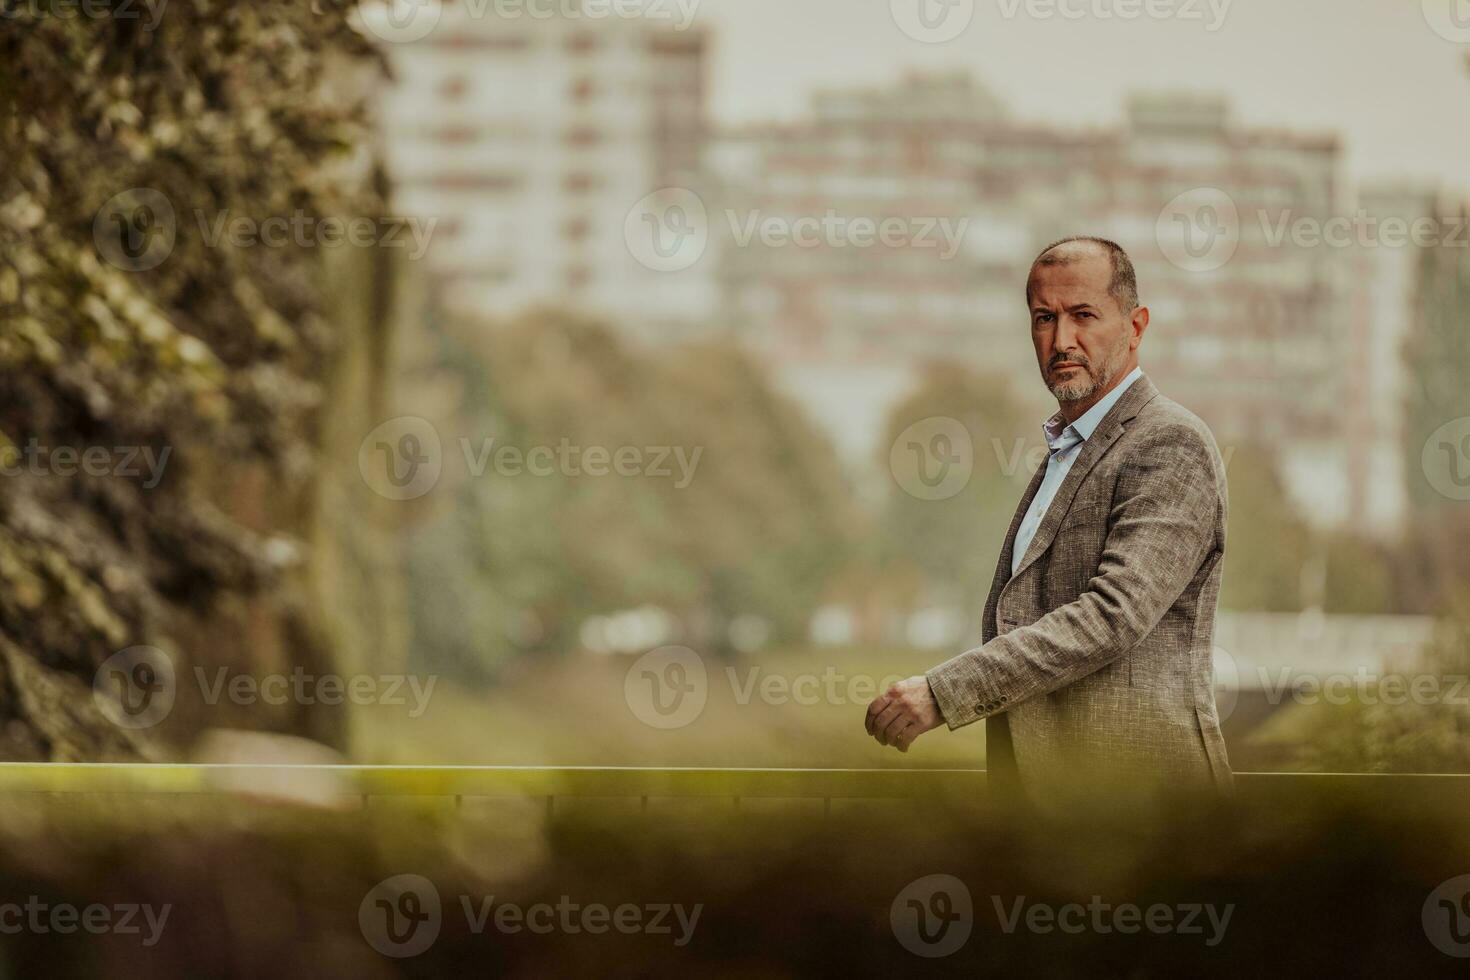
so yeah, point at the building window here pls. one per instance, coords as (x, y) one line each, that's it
(579, 183)
(584, 89)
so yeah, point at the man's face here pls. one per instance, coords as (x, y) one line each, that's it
(1083, 340)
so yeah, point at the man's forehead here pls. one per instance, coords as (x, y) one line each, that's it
(1085, 271)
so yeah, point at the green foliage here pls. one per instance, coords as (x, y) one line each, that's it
(736, 506)
(214, 355)
(1398, 732)
(1266, 541)
(952, 544)
(1359, 575)
(1437, 362)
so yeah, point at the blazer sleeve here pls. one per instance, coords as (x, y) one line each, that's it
(1162, 526)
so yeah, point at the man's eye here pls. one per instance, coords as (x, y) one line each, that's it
(1085, 315)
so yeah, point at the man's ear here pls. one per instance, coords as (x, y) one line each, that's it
(1139, 322)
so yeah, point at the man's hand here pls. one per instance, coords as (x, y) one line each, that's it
(903, 713)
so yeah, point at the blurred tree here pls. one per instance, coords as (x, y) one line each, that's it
(1437, 359)
(1359, 575)
(734, 506)
(956, 542)
(127, 328)
(1266, 541)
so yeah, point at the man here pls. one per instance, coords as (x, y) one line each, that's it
(1096, 654)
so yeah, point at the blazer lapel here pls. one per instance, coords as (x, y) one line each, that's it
(1003, 567)
(1109, 428)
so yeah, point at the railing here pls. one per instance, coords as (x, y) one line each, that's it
(550, 783)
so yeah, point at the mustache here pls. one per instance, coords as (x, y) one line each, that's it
(1060, 361)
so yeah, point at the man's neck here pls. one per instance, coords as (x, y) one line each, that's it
(1072, 411)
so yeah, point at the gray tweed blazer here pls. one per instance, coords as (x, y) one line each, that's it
(1096, 655)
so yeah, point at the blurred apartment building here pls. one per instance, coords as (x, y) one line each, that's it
(530, 138)
(1253, 343)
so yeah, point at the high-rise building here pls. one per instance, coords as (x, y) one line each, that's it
(530, 138)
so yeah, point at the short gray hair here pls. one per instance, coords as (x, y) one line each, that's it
(1123, 286)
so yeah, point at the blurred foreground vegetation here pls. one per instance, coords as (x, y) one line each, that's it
(1317, 880)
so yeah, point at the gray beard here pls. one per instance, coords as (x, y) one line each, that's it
(1081, 388)
(1076, 391)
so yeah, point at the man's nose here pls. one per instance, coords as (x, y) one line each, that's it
(1066, 338)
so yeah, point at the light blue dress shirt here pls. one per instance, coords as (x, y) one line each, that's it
(1065, 445)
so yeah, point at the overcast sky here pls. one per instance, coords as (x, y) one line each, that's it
(1375, 72)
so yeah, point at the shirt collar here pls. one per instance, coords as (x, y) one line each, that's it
(1056, 430)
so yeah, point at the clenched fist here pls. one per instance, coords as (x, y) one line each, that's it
(903, 713)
